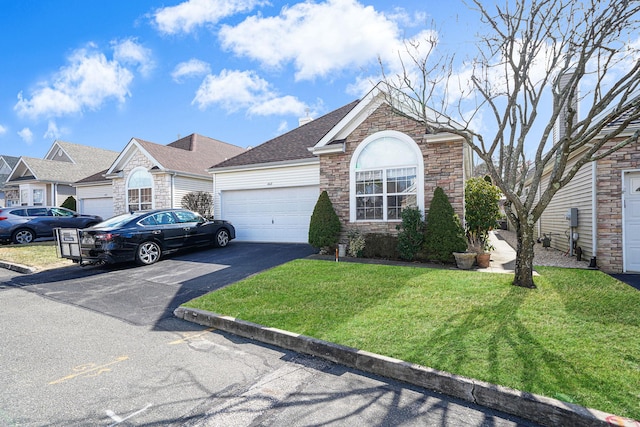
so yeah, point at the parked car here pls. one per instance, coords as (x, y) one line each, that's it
(145, 236)
(24, 224)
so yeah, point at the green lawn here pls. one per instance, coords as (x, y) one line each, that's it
(41, 255)
(575, 338)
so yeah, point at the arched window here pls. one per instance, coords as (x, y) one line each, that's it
(386, 176)
(140, 190)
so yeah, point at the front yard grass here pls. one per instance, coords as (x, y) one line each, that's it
(41, 255)
(575, 338)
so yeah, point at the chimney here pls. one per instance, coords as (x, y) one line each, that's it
(560, 126)
(304, 120)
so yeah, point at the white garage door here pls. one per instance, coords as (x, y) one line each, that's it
(270, 215)
(631, 228)
(99, 206)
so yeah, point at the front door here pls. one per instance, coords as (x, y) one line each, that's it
(631, 226)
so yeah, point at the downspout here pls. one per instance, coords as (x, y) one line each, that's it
(173, 183)
(594, 210)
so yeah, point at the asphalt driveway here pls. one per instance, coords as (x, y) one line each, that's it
(146, 295)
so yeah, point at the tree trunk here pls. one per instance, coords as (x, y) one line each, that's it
(524, 256)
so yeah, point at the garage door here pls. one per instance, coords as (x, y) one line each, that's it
(98, 206)
(631, 226)
(270, 215)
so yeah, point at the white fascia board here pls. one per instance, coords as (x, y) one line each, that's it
(179, 173)
(125, 156)
(354, 118)
(442, 137)
(21, 162)
(261, 166)
(328, 149)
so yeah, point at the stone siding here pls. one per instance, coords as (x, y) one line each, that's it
(161, 185)
(443, 167)
(609, 205)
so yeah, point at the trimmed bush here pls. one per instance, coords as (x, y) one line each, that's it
(481, 211)
(69, 203)
(443, 233)
(411, 236)
(324, 228)
(378, 245)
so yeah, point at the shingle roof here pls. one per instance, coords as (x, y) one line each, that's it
(292, 145)
(56, 171)
(192, 154)
(86, 161)
(96, 177)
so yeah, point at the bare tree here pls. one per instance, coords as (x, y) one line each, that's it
(524, 79)
(198, 201)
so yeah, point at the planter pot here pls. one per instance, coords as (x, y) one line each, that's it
(465, 260)
(483, 260)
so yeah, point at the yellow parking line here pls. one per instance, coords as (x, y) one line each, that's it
(90, 370)
(188, 336)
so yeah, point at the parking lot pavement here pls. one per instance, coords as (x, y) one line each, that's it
(145, 295)
(63, 362)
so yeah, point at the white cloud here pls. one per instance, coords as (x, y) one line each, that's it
(190, 14)
(318, 38)
(130, 52)
(191, 68)
(89, 80)
(234, 90)
(3, 130)
(52, 131)
(278, 106)
(26, 135)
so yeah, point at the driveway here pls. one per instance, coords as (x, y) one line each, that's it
(146, 295)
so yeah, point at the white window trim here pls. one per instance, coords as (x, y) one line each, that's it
(126, 190)
(352, 172)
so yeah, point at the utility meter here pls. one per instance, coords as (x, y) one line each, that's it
(572, 217)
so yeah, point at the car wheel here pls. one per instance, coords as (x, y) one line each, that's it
(148, 253)
(222, 238)
(23, 235)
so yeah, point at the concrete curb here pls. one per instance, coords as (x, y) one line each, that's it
(540, 409)
(17, 267)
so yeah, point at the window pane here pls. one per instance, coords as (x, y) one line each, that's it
(369, 208)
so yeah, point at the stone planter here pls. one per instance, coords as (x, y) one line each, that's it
(465, 260)
(483, 259)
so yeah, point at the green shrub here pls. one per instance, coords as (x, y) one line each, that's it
(69, 203)
(443, 233)
(378, 245)
(356, 243)
(324, 228)
(481, 210)
(411, 236)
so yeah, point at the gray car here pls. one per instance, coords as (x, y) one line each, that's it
(24, 224)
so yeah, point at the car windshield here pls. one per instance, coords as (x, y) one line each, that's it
(118, 221)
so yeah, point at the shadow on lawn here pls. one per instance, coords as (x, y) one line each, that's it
(515, 357)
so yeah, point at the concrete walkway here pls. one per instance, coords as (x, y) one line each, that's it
(503, 256)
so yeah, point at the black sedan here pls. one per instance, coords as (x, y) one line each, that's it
(145, 236)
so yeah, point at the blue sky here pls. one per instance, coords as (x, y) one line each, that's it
(101, 72)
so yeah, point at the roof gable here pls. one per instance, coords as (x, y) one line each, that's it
(291, 146)
(193, 154)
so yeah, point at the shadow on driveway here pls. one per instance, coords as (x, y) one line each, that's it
(629, 279)
(147, 295)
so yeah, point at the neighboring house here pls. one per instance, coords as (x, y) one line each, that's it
(371, 161)
(94, 194)
(606, 195)
(146, 175)
(8, 194)
(49, 181)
